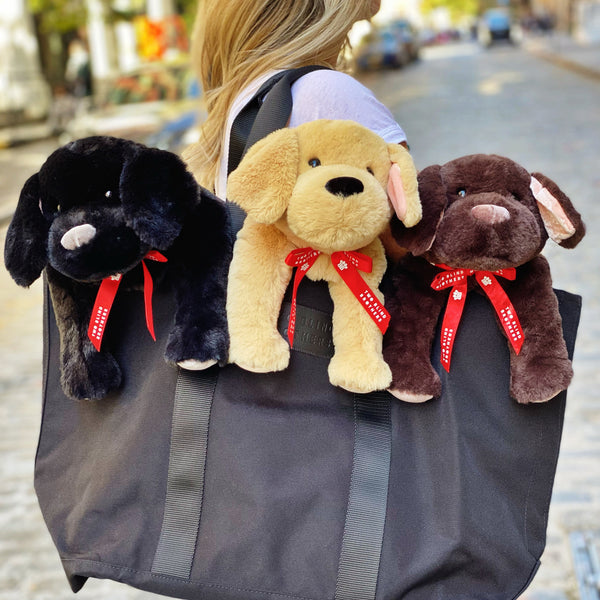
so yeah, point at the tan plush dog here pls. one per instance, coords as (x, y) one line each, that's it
(325, 186)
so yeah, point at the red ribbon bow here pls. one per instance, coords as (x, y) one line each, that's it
(106, 295)
(347, 264)
(457, 279)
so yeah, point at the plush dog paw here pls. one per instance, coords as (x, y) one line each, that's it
(261, 356)
(196, 365)
(362, 378)
(195, 350)
(416, 384)
(550, 376)
(410, 397)
(92, 377)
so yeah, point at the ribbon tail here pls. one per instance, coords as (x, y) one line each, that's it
(298, 276)
(303, 259)
(504, 309)
(362, 292)
(104, 301)
(452, 316)
(148, 289)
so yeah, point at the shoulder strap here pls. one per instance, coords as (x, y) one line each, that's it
(269, 110)
(264, 113)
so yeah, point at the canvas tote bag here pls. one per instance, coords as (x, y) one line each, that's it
(229, 485)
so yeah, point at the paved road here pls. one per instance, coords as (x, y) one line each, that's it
(453, 103)
(463, 100)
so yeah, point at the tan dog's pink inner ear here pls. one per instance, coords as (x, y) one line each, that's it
(558, 225)
(395, 190)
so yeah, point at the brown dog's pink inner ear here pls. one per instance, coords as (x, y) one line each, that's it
(395, 190)
(558, 225)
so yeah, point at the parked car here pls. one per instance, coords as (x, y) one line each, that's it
(391, 46)
(409, 36)
(496, 25)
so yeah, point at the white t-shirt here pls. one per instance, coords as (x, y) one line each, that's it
(322, 94)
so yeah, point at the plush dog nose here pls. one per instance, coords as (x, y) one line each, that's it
(344, 186)
(78, 236)
(490, 213)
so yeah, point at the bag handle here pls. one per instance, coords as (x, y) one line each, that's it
(268, 110)
(360, 554)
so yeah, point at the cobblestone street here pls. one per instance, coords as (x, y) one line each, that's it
(507, 102)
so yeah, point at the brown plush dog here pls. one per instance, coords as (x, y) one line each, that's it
(327, 186)
(482, 215)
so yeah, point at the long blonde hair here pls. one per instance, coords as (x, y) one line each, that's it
(236, 41)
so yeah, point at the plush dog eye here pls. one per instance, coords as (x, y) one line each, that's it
(314, 162)
(369, 170)
(462, 192)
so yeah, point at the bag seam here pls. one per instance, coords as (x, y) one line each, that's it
(529, 580)
(193, 582)
(45, 361)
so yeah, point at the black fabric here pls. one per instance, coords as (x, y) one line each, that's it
(286, 494)
(469, 487)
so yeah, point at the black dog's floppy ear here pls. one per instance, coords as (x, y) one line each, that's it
(562, 222)
(432, 192)
(25, 249)
(156, 191)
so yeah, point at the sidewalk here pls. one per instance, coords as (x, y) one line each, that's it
(23, 134)
(564, 51)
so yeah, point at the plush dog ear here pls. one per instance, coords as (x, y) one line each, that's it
(432, 194)
(402, 188)
(157, 192)
(25, 249)
(562, 222)
(265, 179)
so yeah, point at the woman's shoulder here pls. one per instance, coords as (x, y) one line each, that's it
(334, 84)
(329, 94)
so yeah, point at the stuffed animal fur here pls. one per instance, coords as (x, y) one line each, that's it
(486, 213)
(93, 211)
(328, 186)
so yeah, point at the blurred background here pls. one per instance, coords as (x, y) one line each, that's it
(520, 78)
(73, 68)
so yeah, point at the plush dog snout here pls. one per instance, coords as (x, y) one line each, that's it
(344, 186)
(78, 236)
(490, 213)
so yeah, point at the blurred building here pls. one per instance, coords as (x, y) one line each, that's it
(122, 45)
(116, 37)
(580, 18)
(24, 94)
(587, 21)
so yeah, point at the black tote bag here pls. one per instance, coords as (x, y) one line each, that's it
(229, 485)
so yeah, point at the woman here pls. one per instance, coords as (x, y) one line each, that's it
(239, 44)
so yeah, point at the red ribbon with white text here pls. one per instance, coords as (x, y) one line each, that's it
(106, 296)
(347, 264)
(303, 259)
(457, 280)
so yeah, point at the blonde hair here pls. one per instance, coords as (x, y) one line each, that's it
(236, 41)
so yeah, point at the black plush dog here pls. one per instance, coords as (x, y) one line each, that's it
(97, 208)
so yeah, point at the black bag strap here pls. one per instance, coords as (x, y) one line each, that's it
(268, 110)
(194, 394)
(360, 554)
(264, 113)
